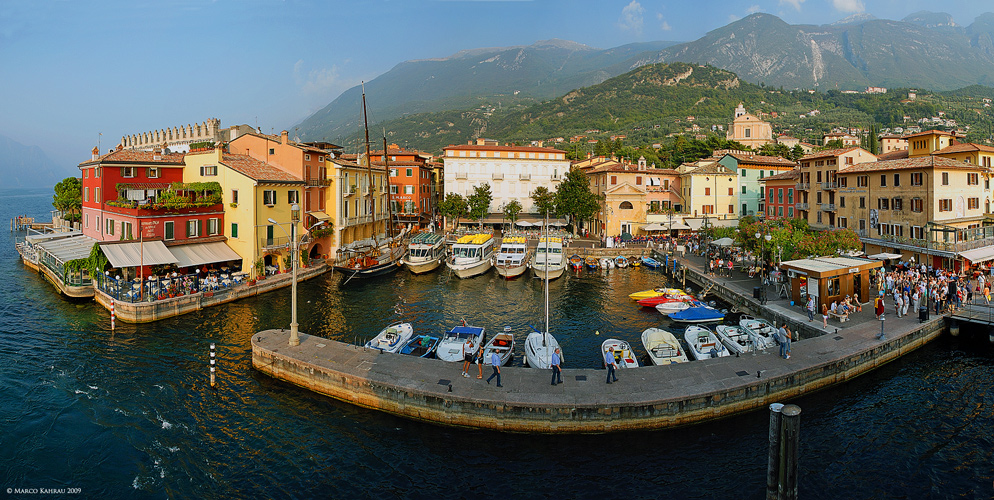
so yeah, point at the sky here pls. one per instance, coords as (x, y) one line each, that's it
(74, 73)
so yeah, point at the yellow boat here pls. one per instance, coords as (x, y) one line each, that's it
(655, 292)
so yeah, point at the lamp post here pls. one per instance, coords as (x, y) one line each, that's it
(759, 237)
(294, 219)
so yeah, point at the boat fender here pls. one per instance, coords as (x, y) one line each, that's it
(714, 352)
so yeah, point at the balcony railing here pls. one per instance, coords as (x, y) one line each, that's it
(801, 206)
(829, 185)
(497, 176)
(348, 191)
(524, 177)
(317, 182)
(828, 207)
(462, 175)
(803, 186)
(274, 243)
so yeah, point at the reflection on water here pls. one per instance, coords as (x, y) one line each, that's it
(130, 413)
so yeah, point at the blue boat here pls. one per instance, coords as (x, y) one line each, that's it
(699, 314)
(422, 346)
(650, 262)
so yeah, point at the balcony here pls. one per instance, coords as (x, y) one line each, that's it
(317, 182)
(497, 176)
(462, 175)
(802, 206)
(348, 191)
(802, 186)
(274, 243)
(829, 185)
(525, 177)
(828, 207)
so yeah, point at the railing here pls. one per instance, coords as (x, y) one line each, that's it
(803, 186)
(557, 177)
(946, 246)
(497, 176)
(347, 191)
(524, 177)
(829, 185)
(274, 243)
(802, 206)
(462, 175)
(317, 182)
(828, 207)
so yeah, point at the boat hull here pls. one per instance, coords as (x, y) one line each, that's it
(511, 272)
(553, 273)
(538, 353)
(663, 347)
(423, 267)
(369, 272)
(623, 354)
(469, 270)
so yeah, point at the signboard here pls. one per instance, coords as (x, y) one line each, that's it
(148, 228)
(813, 287)
(873, 218)
(853, 270)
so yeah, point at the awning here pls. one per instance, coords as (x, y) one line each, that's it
(67, 249)
(149, 253)
(320, 216)
(197, 254)
(653, 227)
(523, 223)
(885, 256)
(977, 255)
(723, 242)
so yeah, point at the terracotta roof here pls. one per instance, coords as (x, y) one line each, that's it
(910, 163)
(930, 132)
(762, 160)
(133, 156)
(788, 175)
(526, 149)
(352, 164)
(400, 163)
(711, 168)
(892, 136)
(279, 140)
(258, 170)
(829, 152)
(893, 155)
(965, 146)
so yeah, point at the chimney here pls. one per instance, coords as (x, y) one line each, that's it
(285, 137)
(94, 153)
(220, 154)
(157, 153)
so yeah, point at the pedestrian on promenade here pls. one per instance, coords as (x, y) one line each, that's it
(856, 304)
(495, 362)
(824, 315)
(781, 338)
(898, 303)
(790, 336)
(478, 359)
(811, 308)
(467, 357)
(731, 267)
(879, 309)
(557, 372)
(611, 364)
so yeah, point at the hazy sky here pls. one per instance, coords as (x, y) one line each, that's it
(70, 70)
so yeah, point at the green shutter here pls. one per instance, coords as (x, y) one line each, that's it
(234, 230)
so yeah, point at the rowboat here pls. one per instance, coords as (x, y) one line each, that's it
(511, 259)
(591, 263)
(650, 262)
(471, 255)
(697, 314)
(606, 263)
(663, 347)
(621, 261)
(450, 348)
(762, 331)
(736, 338)
(422, 346)
(502, 344)
(623, 354)
(392, 338)
(576, 262)
(425, 252)
(703, 343)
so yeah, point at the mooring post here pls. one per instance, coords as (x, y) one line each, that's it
(212, 365)
(790, 428)
(112, 315)
(773, 466)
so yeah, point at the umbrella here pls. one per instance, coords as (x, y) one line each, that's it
(626, 237)
(523, 223)
(654, 227)
(557, 223)
(538, 224)
(723, 242)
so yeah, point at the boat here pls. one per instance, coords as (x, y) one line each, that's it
(392, 338)
(621, 261)
(623, 354)
(422, 346)
(763, 331)
(663, 347)
(737, 339)
(650, 262)
(548, 261)
(703, 343)
(665, 298)
(634, 263)
(606, 263)
(591, 263)
(674, 306)
(698, 314)
(576, 262)
(425, 252)
(450, 348)
(471, 255)
(539, 346)
(511, 259)
(655, 292)
(502, 344)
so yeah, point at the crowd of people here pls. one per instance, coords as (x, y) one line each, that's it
(923, 288)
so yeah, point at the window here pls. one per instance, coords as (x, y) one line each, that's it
(731, 192)
(272, 151)
(408, 189)
(916, 179)
(761, 176)
(393, 172)
(307, 157)
(842, 182)
(109, 226)
(193, 228)
(842, 222)
(269, 197)
(745, 209)
(842, 202)
(293, 196)
(625, 205)
(897, 230)
(862, 181)
(234, 230)
(779, 195)
(945, 178)
(410, 172)
(126, 230)
(790, 196)
(748, 132)
(208, 170)
(973, 203)
(862, 225)
(127, 172)
(819, 217)
(780, 211)
(743, 188)
(614, 179)
(771, 212)
(770, 197)
(393, 189)
(862, 202)
(86, 173)
(896, 204)
(153, 173)
(883, 203)
(86, 220)
(973, 179)
(818, 196)
(883, 180)
(707, 191)
(638, 180)
(790, 212)
(897, 180)
(917, 233)
(819, 176)
(86, 194)
(213, 226)
(234, 196)
(169, 230)
(917, 205)
(946, 205)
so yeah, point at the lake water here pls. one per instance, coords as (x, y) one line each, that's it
(130, 414)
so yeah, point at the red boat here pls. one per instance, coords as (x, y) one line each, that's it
(660, 299)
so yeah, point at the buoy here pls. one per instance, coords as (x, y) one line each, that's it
(953, 329)
(597, 332)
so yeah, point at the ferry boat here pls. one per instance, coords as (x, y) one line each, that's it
(548, 261)
(471, 255)
(511, 259)
(425, 252)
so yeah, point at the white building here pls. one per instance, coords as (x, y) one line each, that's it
(513, 172)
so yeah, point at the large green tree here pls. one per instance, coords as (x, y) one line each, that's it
(454, 206)
(545, 200)
(511, 210)
(479, 202)
(573, 198)
(69, 198)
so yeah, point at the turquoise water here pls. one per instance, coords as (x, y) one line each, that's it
(130, 413)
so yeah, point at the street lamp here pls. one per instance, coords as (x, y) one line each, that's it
(760, 256)
(294, 219)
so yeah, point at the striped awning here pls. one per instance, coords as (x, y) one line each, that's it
(977, 255)
(320, 216)
(197, 254)
(135, 254)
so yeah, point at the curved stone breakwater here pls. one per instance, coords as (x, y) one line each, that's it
(651, 397)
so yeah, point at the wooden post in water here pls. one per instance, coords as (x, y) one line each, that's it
(212, 365)
(773, 464)
(790, 429)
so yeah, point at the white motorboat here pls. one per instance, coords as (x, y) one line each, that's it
(425, 252)
(623, 354)
(511, 259)
(704, 344)
(539, 346)
(502, 344)
(663, 347)
(606, 263)
(674, 306)
(548, 258)
(737, 339)
(450, 348)
(762, 331)
(392, 338)
(471, 255)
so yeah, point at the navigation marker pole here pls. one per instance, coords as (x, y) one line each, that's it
(213, 382)
(112, 315)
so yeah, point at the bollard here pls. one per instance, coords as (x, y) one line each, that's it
(953, 328)
(213, 382)
(790, 428)
(112, 315)
(773, 465)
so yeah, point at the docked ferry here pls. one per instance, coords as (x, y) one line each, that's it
(511, 259)
(471, 255)
(548, 261)
(425, 252)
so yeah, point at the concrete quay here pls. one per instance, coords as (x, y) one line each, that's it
(651, 397)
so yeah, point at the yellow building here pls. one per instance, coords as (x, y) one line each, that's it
(818, 183)
(621, 188)
(969, 153)
(358, 208)
(749, 129)
(254, 192)
(710, 191)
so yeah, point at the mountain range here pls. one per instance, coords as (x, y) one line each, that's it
(925, 50)
(27, 166)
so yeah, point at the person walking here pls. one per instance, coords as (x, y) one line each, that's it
(478, 359)
(611, 364)
(495, 363)
(824, 315)
(781, 338)
(811, 308)
(557, 373)
(467, 357)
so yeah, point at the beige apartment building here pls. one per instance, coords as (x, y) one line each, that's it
(818, 183)
(710, 191)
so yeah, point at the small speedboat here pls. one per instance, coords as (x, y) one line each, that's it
(697, 314)
(666, 308)
(621, 261)
(606, 263)
(703, 343)
(650, 262)
(450, 348)
(666, 297)
(663, 347)
(502, 344)
(623, 354)
(736, 338)
(592, 263)
(576, 262)
(762, 331)
(392, 338)
(655, 292)
(422, 346)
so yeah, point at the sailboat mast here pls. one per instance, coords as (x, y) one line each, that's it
(546, 339)
(386, 166)
(369, 163)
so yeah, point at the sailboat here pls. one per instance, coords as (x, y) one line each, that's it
(371, 257)
(539, 346)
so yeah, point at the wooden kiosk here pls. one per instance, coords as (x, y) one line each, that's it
(829, 279)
